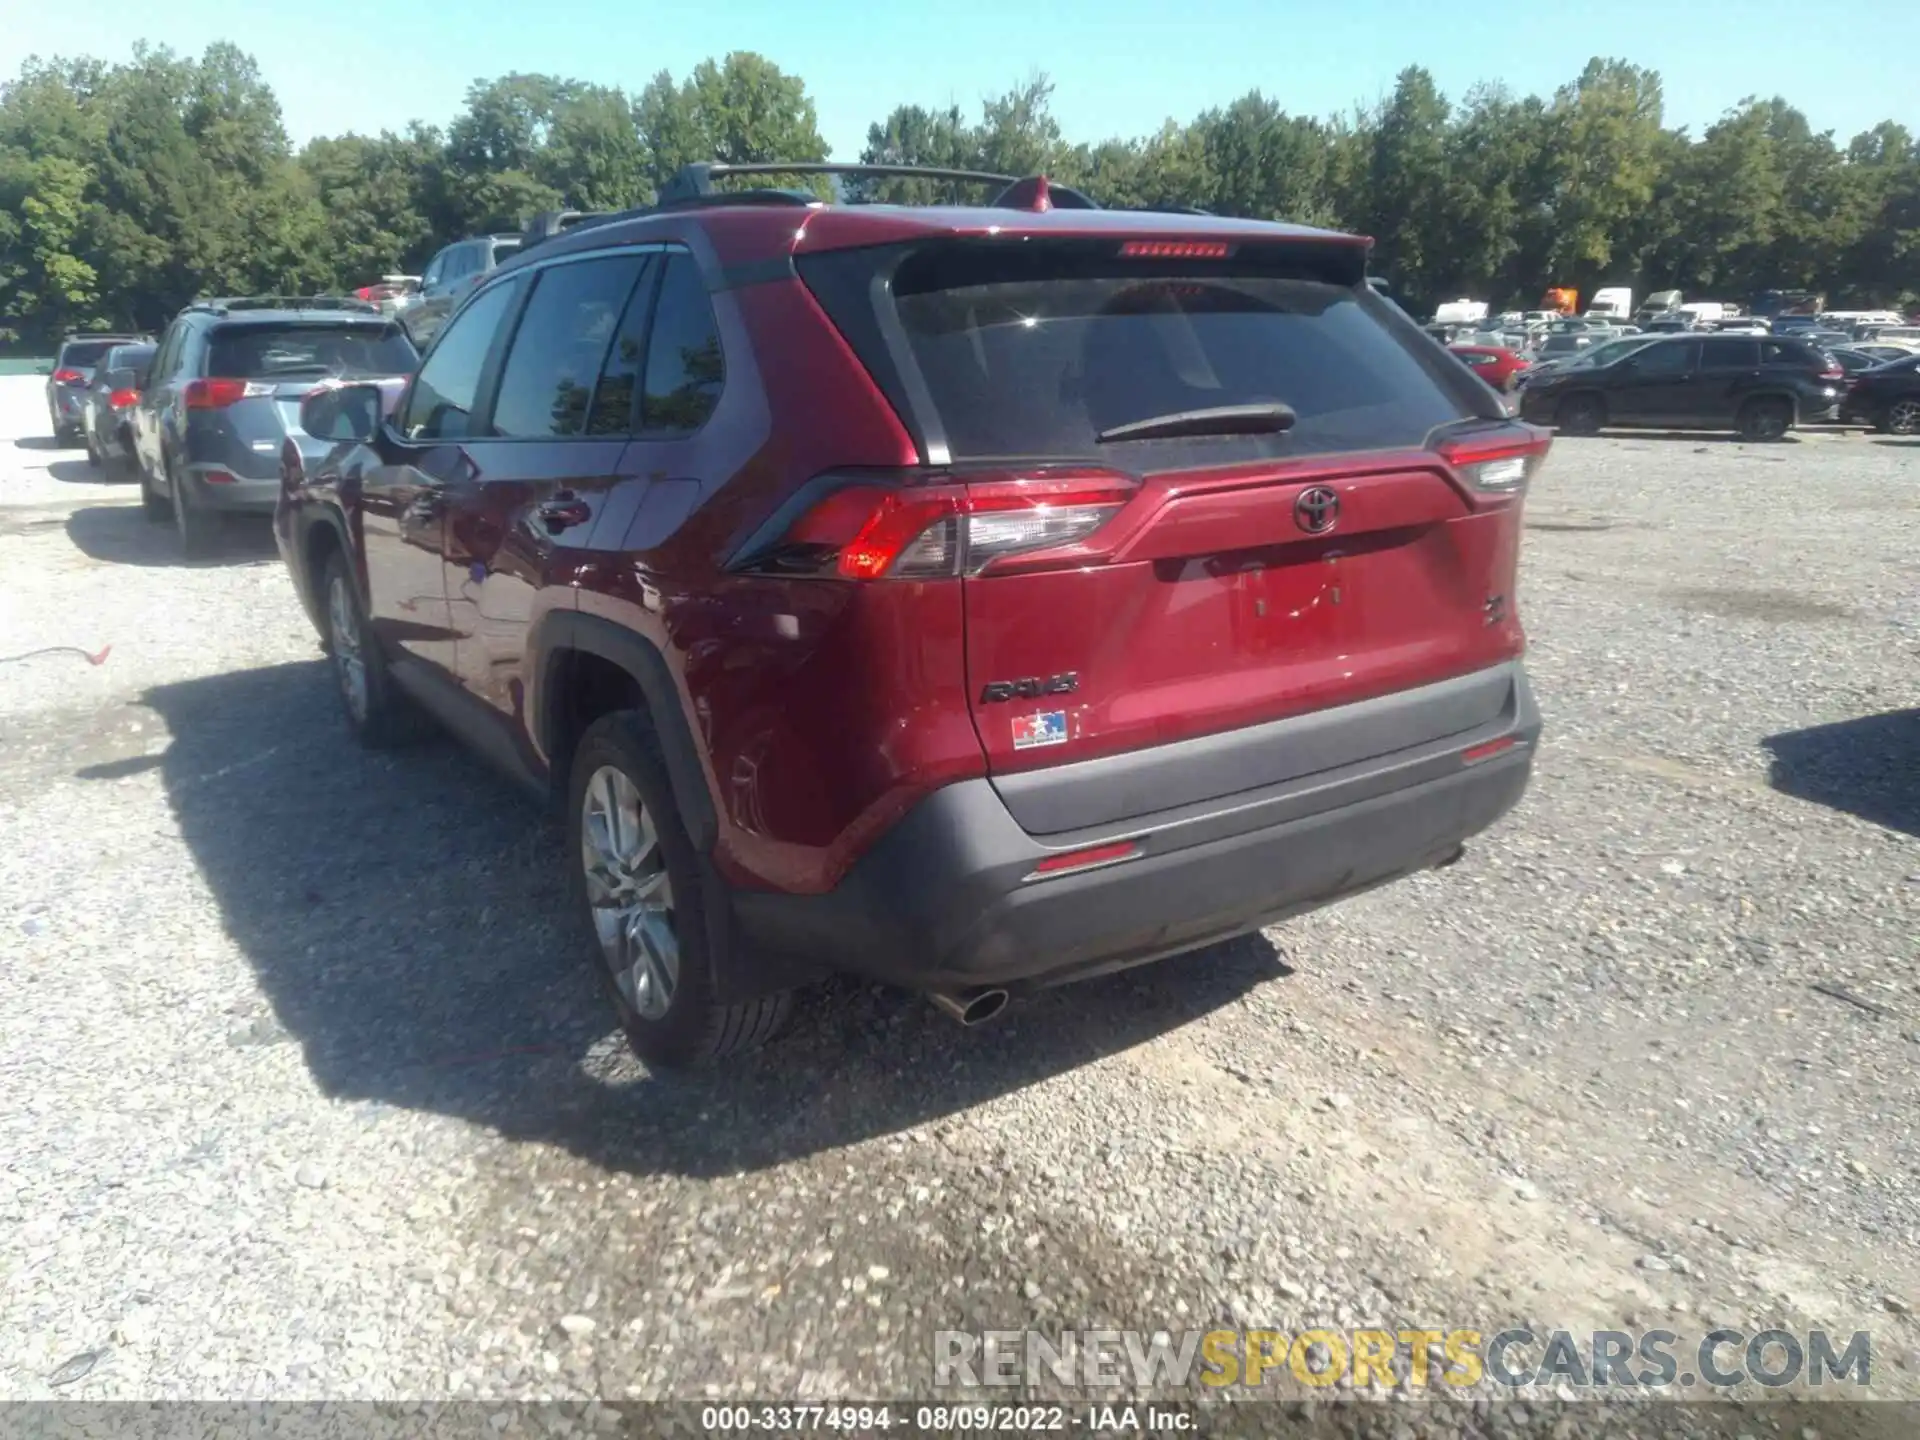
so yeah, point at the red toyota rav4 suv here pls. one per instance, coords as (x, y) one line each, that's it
(965, 597)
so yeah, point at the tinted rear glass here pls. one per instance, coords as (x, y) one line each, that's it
(85, 352)
(299, 350)
(1033, 356)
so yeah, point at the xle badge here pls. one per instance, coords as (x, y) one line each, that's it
(1045, 729)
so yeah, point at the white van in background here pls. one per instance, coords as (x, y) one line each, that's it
(1612, 303)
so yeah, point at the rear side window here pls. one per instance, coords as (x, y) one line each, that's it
(564, 334)
(1780, 352)
(440, 406)
(300, 350)
(1729, 354)
(685, 369)
(613, 398)
(1041, 367)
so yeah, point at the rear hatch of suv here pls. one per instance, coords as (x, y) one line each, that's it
(258, 371)
(1191, 488)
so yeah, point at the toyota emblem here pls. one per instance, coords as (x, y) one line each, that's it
(1316, 510)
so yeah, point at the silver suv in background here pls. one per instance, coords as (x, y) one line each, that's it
(449, 276)
(223, 396)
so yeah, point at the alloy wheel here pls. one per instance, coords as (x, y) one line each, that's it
(1903, 417)
(349, 659)
(630, 893)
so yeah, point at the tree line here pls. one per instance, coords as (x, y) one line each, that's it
(127, 190)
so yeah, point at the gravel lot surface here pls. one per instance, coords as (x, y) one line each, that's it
(309, 1094)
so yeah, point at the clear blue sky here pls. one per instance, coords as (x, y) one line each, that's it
(1120, 67)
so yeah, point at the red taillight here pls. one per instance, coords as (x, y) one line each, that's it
(939, 524)
(217, 477)
(1084, 859)
(121, 399)
(1498, 462)
(1175, 250)
(1833, 372)
(68, 377)
(218, 394)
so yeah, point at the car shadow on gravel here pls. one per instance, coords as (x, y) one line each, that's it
(40, 442)
(405, 916)
(1869, 767)
(123, 535)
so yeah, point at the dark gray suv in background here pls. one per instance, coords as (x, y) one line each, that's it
(80, 355)
(223, 395)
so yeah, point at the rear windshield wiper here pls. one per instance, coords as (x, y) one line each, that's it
(1217, 420)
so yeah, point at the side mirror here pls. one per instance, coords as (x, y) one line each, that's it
(345, 412)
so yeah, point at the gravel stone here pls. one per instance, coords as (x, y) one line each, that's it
(245, 947)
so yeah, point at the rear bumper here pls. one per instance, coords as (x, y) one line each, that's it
(947, 899)
(240, 495)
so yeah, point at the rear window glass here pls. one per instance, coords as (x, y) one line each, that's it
(1041, 365)
(85, 352)
(262, 352)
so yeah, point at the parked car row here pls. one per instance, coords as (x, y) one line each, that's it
(199, 418)
(1758, 386)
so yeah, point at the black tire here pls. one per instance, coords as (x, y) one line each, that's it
(94, 457)
(1764, 419)
(1580, 415)
(199, 530)
(155, 506)
(694, 1027)
(379, 714)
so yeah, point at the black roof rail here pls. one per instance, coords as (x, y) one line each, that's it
(227, 304)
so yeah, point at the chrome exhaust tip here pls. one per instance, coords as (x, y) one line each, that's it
(970, 1007)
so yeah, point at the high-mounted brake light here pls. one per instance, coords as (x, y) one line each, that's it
(217, 394)
(1498, 463)
(1175, 250)
(941, 525)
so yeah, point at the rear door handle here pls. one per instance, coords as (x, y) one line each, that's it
(562, 512)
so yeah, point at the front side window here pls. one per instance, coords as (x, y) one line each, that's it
(440, 406)
(563, 335)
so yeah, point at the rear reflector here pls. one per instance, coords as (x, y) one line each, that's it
(1487, 751)
(1175, 250)
(217, 477)
(1084, 859)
